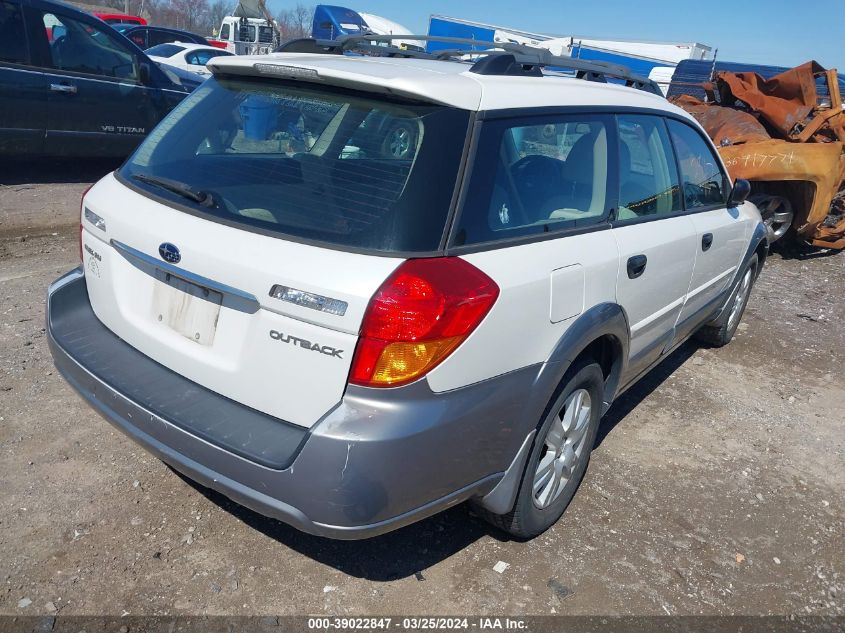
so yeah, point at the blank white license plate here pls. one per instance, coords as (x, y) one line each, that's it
(186, 308)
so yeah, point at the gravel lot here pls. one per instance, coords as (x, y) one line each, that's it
(717, 486)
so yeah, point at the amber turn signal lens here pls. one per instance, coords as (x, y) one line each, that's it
(401, 361)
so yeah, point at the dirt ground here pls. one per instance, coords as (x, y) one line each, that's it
(717, 487)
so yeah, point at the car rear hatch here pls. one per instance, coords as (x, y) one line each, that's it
(241, 243)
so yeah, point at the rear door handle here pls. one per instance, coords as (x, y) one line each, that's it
(65, 88)
(706, 241)
(636, 266)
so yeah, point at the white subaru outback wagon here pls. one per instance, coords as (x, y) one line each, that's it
(351, 291)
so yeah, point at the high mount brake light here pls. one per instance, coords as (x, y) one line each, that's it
(419, 316)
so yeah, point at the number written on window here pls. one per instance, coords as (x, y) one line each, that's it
(704, 182)
(648, 177)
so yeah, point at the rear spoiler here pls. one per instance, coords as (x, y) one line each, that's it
(295, 67)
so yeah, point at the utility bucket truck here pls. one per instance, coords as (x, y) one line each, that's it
(250, 30)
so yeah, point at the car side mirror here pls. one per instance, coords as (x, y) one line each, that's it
(740, 192)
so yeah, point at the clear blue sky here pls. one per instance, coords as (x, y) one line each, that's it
(776, 32)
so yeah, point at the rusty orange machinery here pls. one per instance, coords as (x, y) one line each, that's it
(786, 139)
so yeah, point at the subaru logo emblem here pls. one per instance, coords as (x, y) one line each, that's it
(169, 253)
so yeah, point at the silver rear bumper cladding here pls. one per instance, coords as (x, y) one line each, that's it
(376, 462)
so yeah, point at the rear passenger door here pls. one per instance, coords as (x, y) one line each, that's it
(720, 231)
(656, 240)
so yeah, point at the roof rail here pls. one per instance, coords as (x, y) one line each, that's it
(494, 58)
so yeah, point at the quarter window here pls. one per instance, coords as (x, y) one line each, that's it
(83, 48)
(704, 182)
(12, 40)
(648, 176)
(201, 58)
(536, 178)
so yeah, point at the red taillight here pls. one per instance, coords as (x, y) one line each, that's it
(424, 310)
(82, 216)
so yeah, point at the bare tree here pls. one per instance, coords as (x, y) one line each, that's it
(218, 10)
(191, 15)
(295, 22)
(203, 16)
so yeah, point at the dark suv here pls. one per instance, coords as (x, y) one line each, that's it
(71, 85)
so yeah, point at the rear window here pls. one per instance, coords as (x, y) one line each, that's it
(320, 164)
(246, 33)
(265, 34)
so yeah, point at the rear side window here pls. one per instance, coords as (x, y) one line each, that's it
(704, 182)
(163, 37)
(139, 37)
(329, 165)
(12, 40)
(648, 175)
(535, 178)
(165, 50)
(200, 58)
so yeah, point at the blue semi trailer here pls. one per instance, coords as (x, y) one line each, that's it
(640, 56)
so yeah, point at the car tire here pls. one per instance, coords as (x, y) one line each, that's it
(559, 454)
(719, 333)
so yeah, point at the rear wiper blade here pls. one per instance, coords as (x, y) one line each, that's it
(204, 198)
